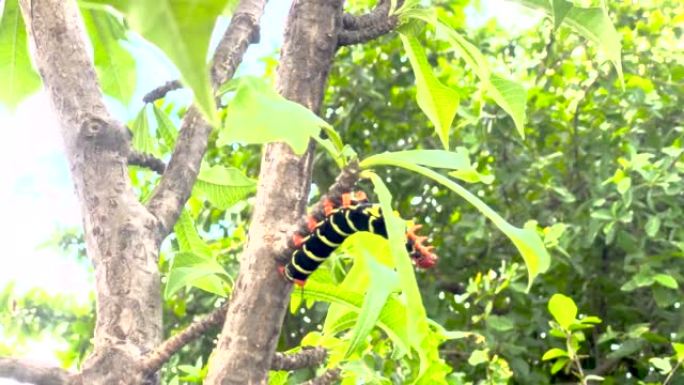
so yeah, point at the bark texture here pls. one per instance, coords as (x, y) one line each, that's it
(120, 233)
(122, 236)
(260, 297)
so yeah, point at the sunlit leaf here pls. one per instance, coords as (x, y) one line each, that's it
(182, 29)
(190, 269)
(559, 11)
(526, 240)
(257, 115)
(19, 79)
(511, 97)
(187, 236)
(554, 353)
(142, 137)
(436, 100)
(115, 66)
(224, 186)
(563, 310)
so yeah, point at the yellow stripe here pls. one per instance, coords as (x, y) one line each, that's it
(311, 255)
(370, 224)
(349, 221)
(325, 240)
(337, 229)
(300, 269)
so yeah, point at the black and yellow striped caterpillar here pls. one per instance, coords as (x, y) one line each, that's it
(342, 219)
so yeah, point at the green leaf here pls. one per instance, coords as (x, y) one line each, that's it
(559, 11)
(431, 158)
(500, 323)
(378, 292)
(526, 240)
(563, 309)
(652, 226)
(166, 129)
(182, 29)
(511, 97)
(190, 269)
(187, 236)
(114, 65)
(679, 351)
(667, 281)
(593, 24)
(478, 357)
(142, 138)
(416, 317)
(554, 353)
(436, 100)
(559, 364)
(392, 318)
(662, 364)
(19, 79)
(257, 115)
(224, 186)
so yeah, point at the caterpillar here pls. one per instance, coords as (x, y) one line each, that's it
(342, 219)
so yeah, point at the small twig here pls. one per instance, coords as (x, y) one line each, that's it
(146, 160)
(366, 27)
(309, 357)
(154, 360)
(162, 90)
(25, 371)
(327, 378)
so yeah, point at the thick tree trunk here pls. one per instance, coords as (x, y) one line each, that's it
(261, 295)
(119, 231)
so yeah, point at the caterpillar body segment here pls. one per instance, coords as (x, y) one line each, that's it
(351, 214)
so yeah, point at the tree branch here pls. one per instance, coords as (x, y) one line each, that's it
(307, 358)
(260, 296)
(327, 378)
(153, 361)
(162, 90)
(146, 160)
(25, 371)
(180, 175)
(366, 27)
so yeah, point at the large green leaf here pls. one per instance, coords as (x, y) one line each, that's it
(526, 240)
(257, 114)
(381, 286)
(437, 101)
(592, 23)
(224, 186)
(190, 269)
(430, 158)
(115, 66)
(511, 97)
(392, 317)
(17, 74)
(182, 29)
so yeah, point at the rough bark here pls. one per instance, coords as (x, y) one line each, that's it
(122, 236)
(260, 297)
(120, 233)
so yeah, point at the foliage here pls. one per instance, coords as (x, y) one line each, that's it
(538, 130)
